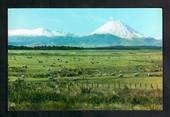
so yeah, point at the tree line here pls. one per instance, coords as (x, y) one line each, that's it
(11, 47)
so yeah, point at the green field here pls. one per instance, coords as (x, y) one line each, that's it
(85, 79)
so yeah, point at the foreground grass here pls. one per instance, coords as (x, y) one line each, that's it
(56, 96)
(85, 80)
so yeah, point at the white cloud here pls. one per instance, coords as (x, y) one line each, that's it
(35, 32)
(158, 37)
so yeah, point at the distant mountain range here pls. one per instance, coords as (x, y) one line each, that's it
(112, 33)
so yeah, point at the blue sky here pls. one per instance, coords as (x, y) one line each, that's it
(147, 21)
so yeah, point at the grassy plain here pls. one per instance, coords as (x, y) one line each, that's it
(85, 79)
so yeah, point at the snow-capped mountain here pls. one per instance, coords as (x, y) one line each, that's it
(119, 29)
(112, 33)
(35, 32)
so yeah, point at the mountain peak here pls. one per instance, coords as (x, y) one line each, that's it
(117, 28)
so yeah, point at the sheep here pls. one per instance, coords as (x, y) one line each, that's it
(104, 74)
(120, 75)
(12, 106)
(22, 76)
(50, 78)
(136, 74)
(99, 74)
(11, 68)
(149, 74)
(153, 74)
(113, 74)
(56, 86)
(157, 66)
(40, 61)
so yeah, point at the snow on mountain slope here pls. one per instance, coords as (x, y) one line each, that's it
(119, 29)
(35, 32)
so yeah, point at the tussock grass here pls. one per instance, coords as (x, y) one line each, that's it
(85, 79)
